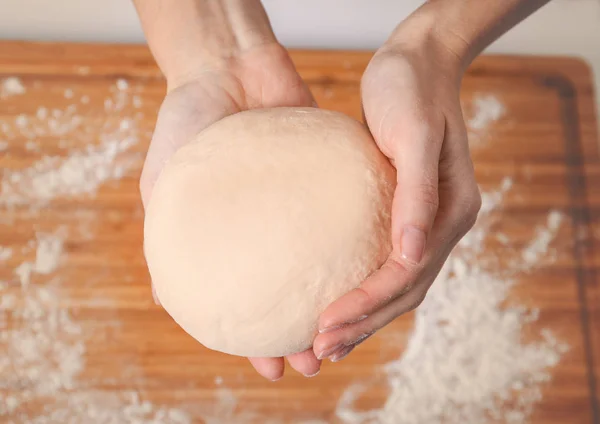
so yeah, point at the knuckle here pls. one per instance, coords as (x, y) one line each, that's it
(470, 205)
(473, 206)
(417, 302)
(364, 300)
(401, 286)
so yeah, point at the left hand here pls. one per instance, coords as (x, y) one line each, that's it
(261, 77)
(410, 94)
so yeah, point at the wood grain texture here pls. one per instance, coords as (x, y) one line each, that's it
(547, 144)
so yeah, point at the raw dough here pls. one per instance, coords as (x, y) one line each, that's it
(263, 220)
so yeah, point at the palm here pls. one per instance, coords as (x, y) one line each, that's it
(263, 77)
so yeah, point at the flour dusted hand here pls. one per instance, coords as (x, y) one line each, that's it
(262, 221)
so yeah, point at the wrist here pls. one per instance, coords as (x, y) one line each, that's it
(465, 28)
(181, 72)
(426, 33)
(241, 65)
(198, 36)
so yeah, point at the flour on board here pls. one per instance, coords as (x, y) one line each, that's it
(5, 253)
(459, 366)
(43, 345)
(79, 171)
(11, 86)
(485, 110)
(538, 246)
(488, 109)
(466, 361)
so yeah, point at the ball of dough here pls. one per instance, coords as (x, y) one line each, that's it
(262, 221)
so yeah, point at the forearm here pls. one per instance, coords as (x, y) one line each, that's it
(187, 36)
(465, 27)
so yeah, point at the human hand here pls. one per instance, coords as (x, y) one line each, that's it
(261, 77)
(410, 94)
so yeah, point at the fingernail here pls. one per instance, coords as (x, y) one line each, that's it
(362, 338)
(335, 327)
(329, 351)
(413, 244)
(328, 329)
(277, 379)
(312, 375)
(338, 356)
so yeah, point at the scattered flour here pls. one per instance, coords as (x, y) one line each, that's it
(466, 361)
(83, 70)
(21, 121)
(122, 84)
(224, 410)
(5, 253)
(544, 235)
(45, 353)
(42, 113)
(11, 86)
(110, 408)
(80, 171)
(486, 109)
(43, 347)
(137, 102)
(31, 145)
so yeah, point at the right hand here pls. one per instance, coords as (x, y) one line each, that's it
(261, 77)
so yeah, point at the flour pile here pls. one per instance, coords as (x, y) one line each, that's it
(466, 361)
(74, 170)
(45, 353)
(44, 347)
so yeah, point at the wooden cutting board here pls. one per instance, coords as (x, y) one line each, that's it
(129, 360)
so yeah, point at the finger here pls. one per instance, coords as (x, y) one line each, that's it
(392, 281)
(330, 342)
(338, 356)
(306, 363)
(385, 284)
(414, 143)
(416, 154)
(334, 343)
(270, 368)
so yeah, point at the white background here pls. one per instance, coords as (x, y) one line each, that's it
(563, 27)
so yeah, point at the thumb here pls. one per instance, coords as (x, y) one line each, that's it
(415, 146)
